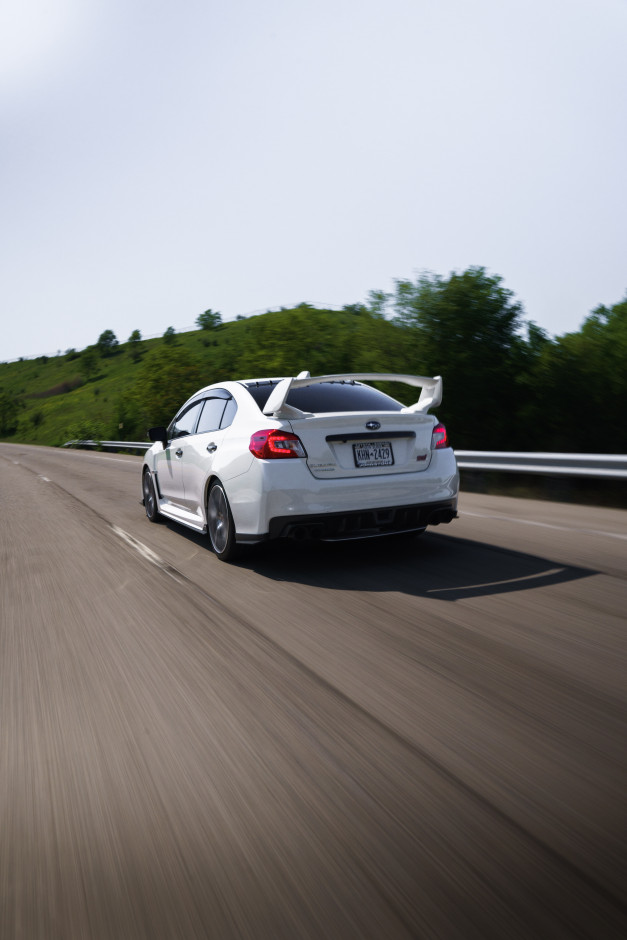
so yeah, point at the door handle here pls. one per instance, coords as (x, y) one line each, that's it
(212, 447)
(179, 452)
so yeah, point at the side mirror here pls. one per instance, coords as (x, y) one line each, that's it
(159, 434)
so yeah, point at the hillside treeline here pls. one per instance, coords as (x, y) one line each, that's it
(508, 385)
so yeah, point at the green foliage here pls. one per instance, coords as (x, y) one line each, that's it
(209, 320)
(505, 388)
(10, 406)
(62, 388)
(72, 402)
(89, 361)
(86, 430)
(107, 343)
(167, 376)
(465, 328)
(169, 336)
(378, 302)
(135, 345)
(580, 386)
(356, 309)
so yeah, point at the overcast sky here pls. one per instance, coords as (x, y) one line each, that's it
(160, 158)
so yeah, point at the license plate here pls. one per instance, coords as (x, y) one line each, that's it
(373, 454)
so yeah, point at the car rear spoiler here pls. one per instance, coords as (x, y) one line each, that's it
(430, 396)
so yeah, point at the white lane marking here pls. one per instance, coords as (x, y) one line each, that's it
(544, 525)
(146, 552)
(486, 584)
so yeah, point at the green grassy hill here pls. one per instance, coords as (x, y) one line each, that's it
(54, 397)
(89, 395)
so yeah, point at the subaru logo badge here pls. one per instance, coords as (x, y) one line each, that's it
(373, 425)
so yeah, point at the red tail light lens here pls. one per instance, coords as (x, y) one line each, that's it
(267, 445)
(439, 437)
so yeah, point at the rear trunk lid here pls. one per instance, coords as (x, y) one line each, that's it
(365, 444)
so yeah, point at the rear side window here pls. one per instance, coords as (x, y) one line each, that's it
(229, 413)
(330, 396)
(211, 415)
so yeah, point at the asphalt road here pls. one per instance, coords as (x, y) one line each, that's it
(374, 740)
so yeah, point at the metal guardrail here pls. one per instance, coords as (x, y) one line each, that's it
(111, 445)
(610, 466)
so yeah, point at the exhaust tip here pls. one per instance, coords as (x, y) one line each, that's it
(442, 516)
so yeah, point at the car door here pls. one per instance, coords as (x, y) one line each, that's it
(170, 462)
(201, 450)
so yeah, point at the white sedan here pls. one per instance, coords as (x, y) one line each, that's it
(325, 457)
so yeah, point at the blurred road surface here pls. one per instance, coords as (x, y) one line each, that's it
(371, 740)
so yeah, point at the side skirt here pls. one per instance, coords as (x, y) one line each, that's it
(185, 518)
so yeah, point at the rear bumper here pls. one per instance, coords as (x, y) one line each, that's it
(361, 524)
(278, 494)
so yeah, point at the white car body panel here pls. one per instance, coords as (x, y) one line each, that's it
(330, 456)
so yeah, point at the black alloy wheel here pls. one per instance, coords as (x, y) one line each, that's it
(220, 524)
(150, 497)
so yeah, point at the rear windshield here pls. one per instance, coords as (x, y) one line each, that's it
(328, 397)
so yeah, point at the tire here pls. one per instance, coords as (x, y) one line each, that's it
(220, 524)
(150, 497)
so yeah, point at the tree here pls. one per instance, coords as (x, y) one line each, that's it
(377, 302)
(167, 376)
(9, 407)
(355, 309)
(89, 360)
(107, 343)
(209, 320)
(465, 328)
(580, 388)
(134, 345)
(169, 337)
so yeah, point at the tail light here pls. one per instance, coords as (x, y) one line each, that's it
(439, 437)
(267, 445)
